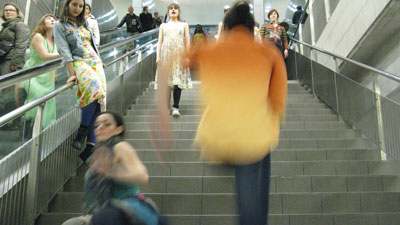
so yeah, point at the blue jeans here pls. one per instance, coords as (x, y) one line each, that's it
(88, 118)
(252, 186)
(110, 215)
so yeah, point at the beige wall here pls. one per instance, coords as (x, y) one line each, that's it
(345, 27)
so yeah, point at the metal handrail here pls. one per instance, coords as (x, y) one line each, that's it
(112, 30)
(28, 106)
(132, 51)
(114, 44)
(21, 75)
(23, 109)
(370, 68)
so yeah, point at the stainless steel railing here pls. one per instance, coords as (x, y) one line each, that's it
(360, 103)
(31, 175)
(21, 75)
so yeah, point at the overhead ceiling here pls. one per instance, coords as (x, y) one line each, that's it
(208, 10)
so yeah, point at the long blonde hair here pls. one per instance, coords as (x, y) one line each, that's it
(41, 27)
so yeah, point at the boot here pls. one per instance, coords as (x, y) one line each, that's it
(80, 138)
(86, 153)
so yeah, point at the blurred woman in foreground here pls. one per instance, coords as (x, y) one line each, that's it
(244, 90)
(111, 193)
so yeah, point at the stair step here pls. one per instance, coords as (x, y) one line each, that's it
(177, 125)
(184, 112)
(187, 155)
(280, 203)
(275, 219)
(278, 184)
(284, 134)
(197, 100)
(200, 106)
(316, 143)
(279, 168)
(196, 118)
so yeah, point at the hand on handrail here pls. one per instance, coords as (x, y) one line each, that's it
(72, 79)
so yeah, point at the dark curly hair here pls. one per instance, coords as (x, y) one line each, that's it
(119, 120)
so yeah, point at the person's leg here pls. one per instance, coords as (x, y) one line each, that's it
(252, 184)
(177, 96)
(177, 92)
(86, 117)
(109, 215)
(91, 137)
(130, 46)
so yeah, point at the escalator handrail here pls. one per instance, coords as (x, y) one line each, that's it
(118, 43)
(16, 77)
(362, 65)
(23, 109)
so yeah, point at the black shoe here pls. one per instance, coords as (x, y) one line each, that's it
(80, 138)
(86, 153)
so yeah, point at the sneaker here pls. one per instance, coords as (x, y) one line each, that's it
(175, 112)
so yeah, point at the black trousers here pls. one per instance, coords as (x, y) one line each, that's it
(177, 92)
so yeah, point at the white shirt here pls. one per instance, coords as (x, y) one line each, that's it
(94, 26)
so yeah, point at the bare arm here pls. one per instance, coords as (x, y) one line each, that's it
(127, 167)
(187, 37)
(160, 42)
(38, 44)
(219, 34)
(71, 72)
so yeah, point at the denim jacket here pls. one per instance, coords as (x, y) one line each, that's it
(69, 44)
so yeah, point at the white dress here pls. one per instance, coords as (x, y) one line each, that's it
(173, 49)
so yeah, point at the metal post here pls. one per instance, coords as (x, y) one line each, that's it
(381, 133)
(121, 84)
(27, 11)
(295, 63)
(34, 167)
(312, 73)
(139, 58)
(336, 89)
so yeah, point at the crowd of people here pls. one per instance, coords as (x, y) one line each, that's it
(252, 74)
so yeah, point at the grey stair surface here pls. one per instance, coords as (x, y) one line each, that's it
(323, 171)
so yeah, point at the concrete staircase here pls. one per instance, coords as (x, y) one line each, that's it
(323, 172)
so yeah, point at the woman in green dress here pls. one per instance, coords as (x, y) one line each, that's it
(42, 49)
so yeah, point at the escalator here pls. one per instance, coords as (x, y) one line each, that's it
(128, 73)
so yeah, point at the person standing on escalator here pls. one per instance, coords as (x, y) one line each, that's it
(14, 39)
(76, 45)
(133, 26)
(146, 19)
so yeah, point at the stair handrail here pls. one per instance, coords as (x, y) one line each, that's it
(13, 78)
(23, 109)
(352, 61)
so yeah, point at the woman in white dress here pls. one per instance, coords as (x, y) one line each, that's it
(173, 41)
